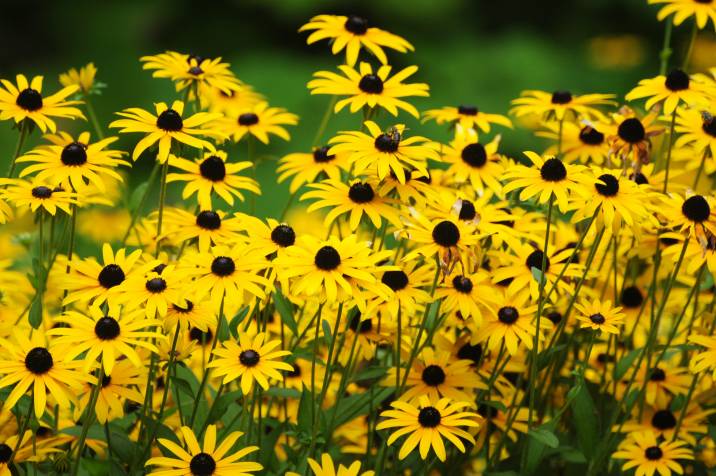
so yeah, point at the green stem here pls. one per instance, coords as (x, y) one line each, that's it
(666, 49)
(162, 198)
(89, 416)
(701, 168)
(668, 152)
(690, 48)
(93, 117)
(250, 148)
(142, 201)
(23, 429)
(24, 131)
(324, 120)
(685, 408)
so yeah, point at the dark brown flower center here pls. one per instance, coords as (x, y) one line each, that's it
(38, 360)
(74, 154)
(387, 143)
(107, 328)
(42, 192)
(361, 192)
(631, 130)
(327, 258)
(590, 136)
(283, 236)
(320, 154)
(677, 80)
(653, 453)
(553, 170)
(111, 276)
(170, 121)
(429, 417)
(249, 358)
(371, 84)
(474, 155)
(433, 375)
(248, 119)
(29, 99)
(462, 284)
(356, 25)
(663, 420)
(446, 234)
(610, 187)
(156, 285)
(508, 315)
(213, 168)
(223, 266)
(202, 464)
(561, 97)
(208, 220)
(395, 280)
(467, 110)
(534, 260)
(696, 209)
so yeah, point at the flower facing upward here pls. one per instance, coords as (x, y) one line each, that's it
(583, 143)
(510, 324)
(673, 89)
(212, 174)
(559, 104)
(643, 452)
(166, 127)
(351, 33)
(601, 316)
(701, 10)
(208, 227)
(384, 153)
(82, 78)
(209, 459)
(25, 101)
(305, 168)
(251, 359)
(118, 387)
(693, 215)
(367, 88)
(36, 194)
(630, 136)
(466, 116)
(473, 162)
(258, 120)
(187, 70)
(448, 237)
(155, 291)
(427, 424)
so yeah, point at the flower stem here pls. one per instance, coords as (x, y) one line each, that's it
(668, 152)
(666, 49)
(24, 131)
(162, 198)
(690, 48)
(701, 168)
(142, 201)
(89, 416)
(93, 117)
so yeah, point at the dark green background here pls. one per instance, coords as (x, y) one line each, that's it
(480, 52)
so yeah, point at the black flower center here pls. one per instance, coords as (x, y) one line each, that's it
(429, 417)
(29, 99)
(677, 80)
(610, 186)
(467, 211)
(462, 284)
(327, 258)
(470, 352)
(555, 317)
(249, 358)
(356, 25)
(361, 192)
(534, 260)
(107, 328)
(395, 280)
(295, 373)
(508, 315)
(170, 120)
(663, 420)
(561, 97)
(632, 297)
(187, 308)
(202, 464)
(195, 70)
(248, 119)
(371, 84)
(433, 375)
(320, 154)
(223, 266)
(446, 234)
(467, 110)
(696, 208)
(74, 154)
(38, 360)
(203, 337)
(5, 453)
(361, 325)
(639, 178)
(386, 143)
(653, 453)
(106, 380)
(208, 220)
(42, 192)
(283, 235)
(591, 136)
(474, 155)
(709, 126)
(553, 170)
(156, 285)
(110, 276)
(657, 375)
(597, 319)
(631, 130)
(213, 168)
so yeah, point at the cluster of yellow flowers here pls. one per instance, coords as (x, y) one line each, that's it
(492, 314)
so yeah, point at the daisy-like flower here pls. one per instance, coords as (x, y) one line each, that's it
(366, 88)
(106, 336)
(472, 162)
(88, 281)
(384, 152)
(82, 78)
(698, 131)
(559, 104)
(191, 70)
(306, 167)
(357, 198)
(116, 389)
(435, 374)
(75, 163)
(448, 237)
(510, 324)
(258, 120)
(351, 33)
(35, 194)
(471, 294)
(327, 468)
(226, 272)
(212, 174)
(662, 421)
(229, 102)
(25, 101)
(663, 383)
(252, 359)
(701, 10)
(548, 176)
(706, 359)
(5, 211)
(155, 291)
(581, 143)
(649, 456)
(166, 127)
(427, 423)
(25, 451)
(325, 268)
(28, 362)
(208, 459)
(208, 227)
(673, 89)
(406, 284)
(600, 316)
(631, 136)
(190, 314)
(693, 215)
(467, 117)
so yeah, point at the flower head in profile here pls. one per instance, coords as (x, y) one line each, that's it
(674, 89)
(692, 215)
(697, 129)
(168, 126)
(191, 70)
(258, 120)
(353, 33)
(306, 167)
(559, 104)
(207, 459)
(83, 78)
(36, 194)
(466, 116)
(583, 143)
(701, 10)
(24, 100)
(365, 87)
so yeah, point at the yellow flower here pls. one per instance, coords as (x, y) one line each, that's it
(466, 116)
(601, 316)
(673, 89)
(258, 120)
(559, 104)
(36, 194)
(702, 11)
(82, 78)
(191, 70)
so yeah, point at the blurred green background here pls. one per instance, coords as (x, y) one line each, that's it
(469, 51)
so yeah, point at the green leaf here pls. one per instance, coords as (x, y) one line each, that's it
(586, 422)
(35, 315)
(544, 436)
(281, 392)
(326, 331)
(219, 407)
(625, 363)
(137, 195)
(223, 333)
(284, 308)
(305, 410)
(238, 319)
(537, 274)
(545, 356)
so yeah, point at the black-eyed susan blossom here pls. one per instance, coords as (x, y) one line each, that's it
(36, 194)
(559, 104)
(467, 116)
(675, 89)
(582, 143)
(117, 388)
(649, 456)
(207, 227)
(326, 467)
(600, 316)
(678, 11)
(258, 120)
(191, 70)
(473, 162)
(510, 324)
(83, 78)
(307, 167)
